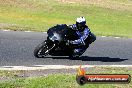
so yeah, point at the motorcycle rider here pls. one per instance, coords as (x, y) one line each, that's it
(83, 33)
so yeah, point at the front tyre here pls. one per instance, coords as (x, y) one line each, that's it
(41, 50)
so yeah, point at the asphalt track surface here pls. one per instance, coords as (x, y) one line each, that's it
(16, 49)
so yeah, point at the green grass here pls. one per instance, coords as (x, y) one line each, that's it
(56, 81)
(51, 81)
(9, 74)
(112, 19)
(64, 80)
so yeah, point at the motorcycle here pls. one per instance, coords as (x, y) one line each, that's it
(57, 42)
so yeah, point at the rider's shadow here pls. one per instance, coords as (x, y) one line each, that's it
(87, 58)
(102, 59)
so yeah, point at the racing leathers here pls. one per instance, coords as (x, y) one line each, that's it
(83, 35)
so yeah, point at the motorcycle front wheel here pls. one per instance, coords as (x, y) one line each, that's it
(43, 49)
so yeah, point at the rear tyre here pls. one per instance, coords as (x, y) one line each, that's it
(40, 50)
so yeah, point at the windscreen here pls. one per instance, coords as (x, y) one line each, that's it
(59, 29)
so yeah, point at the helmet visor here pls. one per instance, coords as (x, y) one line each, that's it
(80, 26)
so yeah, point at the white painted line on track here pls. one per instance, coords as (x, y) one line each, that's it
(39, 67)
(6, 30)
(44, 32)
(55, 67)
(28, 31)
(103, 36)
(116, 37)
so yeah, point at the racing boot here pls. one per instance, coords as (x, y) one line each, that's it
(77, 53)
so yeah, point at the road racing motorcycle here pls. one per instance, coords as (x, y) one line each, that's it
(57, 44)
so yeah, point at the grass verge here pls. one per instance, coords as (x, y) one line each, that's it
(64, 80)
(104, 17)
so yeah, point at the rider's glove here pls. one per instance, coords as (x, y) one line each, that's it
(68, 42)
(70, 26)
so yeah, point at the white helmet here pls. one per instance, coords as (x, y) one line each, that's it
(80, 23)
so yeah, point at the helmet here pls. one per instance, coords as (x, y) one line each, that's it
(80, 23)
